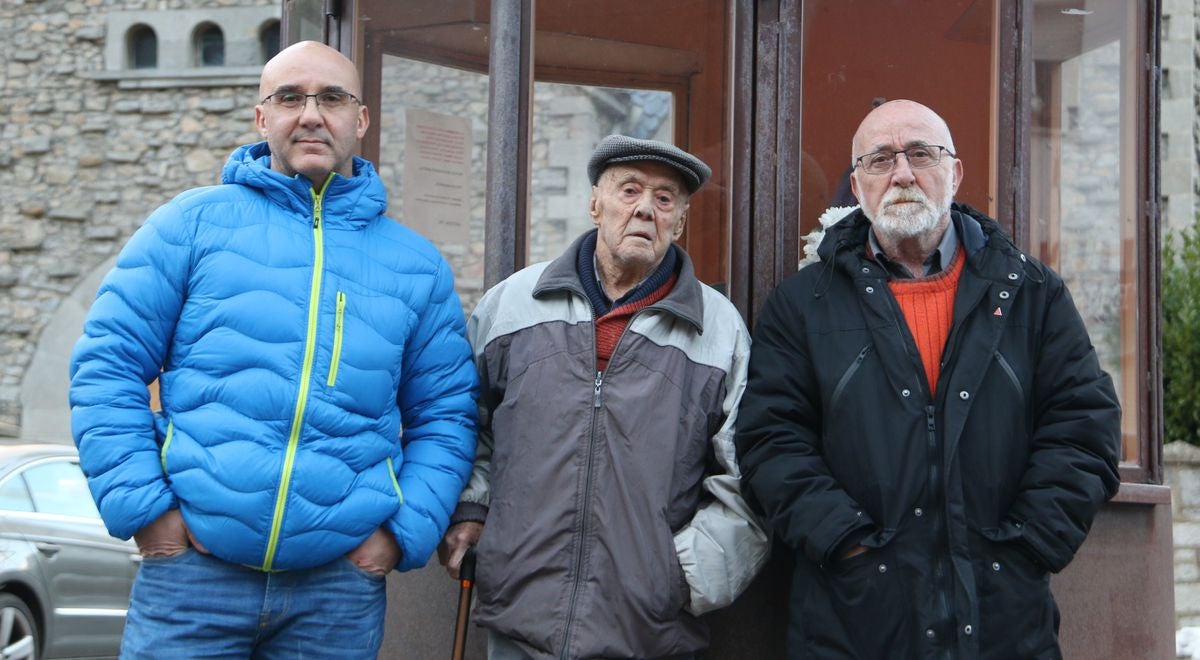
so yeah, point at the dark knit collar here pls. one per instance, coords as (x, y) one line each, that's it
(585, 265)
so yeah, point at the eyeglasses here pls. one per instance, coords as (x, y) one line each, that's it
(918, 157)
(329, 101)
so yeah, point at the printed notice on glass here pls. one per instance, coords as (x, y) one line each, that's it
(437, 162)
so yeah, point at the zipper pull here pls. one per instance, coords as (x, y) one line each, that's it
(317, 199)
(599, 381)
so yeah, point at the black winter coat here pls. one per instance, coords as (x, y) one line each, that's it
(966, 500)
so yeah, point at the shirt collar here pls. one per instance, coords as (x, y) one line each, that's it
(936, 263)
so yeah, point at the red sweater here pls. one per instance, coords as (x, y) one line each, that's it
(610, 326)
(928, 307)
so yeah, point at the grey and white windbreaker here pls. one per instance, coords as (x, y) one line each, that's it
(613, 511)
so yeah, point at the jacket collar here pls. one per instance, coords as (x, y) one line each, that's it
(990, 252)
(685, 300)
(349, 202)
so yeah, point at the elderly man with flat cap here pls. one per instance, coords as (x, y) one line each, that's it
(605, 498)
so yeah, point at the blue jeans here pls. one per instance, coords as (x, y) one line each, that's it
(194, 605)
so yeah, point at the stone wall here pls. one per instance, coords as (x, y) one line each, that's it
(1180, 151)
(1090, 234)
(93, 146)
(1181, 462)
(85, 160)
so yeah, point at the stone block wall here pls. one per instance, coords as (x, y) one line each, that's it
(1182, 467)
(85, 160)
(1180, 152)
(92, 147)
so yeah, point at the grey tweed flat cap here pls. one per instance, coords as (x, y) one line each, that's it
(623, 149)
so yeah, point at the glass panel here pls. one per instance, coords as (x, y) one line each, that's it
(595, 76)
(210, 47)
(268, 40)
(1084, 172)
(431, 121)
(14, 496)
(858, 53)
(143, 45)
(305, 20)
(569, 121)
(60, 488)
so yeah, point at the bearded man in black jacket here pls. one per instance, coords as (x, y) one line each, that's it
(926, 424)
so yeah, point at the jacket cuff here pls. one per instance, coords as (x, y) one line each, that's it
(469, 512)
(848, 541)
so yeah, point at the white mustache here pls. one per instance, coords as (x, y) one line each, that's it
(899, 195)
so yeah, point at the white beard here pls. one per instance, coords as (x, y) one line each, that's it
(903, 221)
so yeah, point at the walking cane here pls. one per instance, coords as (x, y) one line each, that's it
(466, 581)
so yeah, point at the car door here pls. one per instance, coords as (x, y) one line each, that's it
(88, 573)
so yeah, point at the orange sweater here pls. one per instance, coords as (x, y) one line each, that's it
(928, 307)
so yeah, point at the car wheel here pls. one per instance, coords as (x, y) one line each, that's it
(18, 632)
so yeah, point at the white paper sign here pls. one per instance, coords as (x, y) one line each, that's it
(437, 162)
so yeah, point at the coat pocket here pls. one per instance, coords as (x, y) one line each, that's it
(338, 320)
(861, 606)
(1014, 594)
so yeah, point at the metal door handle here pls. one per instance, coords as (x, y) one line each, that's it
(48, 549)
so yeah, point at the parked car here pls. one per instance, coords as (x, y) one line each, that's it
(64, 582)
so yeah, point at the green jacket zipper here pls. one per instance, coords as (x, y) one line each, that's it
(314, 300)
(162, 454)
(337, 339)
(395, 483)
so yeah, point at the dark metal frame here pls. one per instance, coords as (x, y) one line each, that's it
(510, 68)
(765, 163)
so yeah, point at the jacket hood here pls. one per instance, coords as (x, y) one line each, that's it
(349, 202)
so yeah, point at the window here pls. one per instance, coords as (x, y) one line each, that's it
(563, 142)
(210, 46)
(268, 40)
(14, 496)
(853, 62)
(1087, 169)
(429, 60)
(143, 47)
(60, 488)
(432, 126)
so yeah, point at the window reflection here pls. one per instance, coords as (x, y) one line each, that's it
(595, 76)
(1084, 173)
(14, 496)
(569, 121)
(210, 46)
(433, 146)
(854, 59)
(268, 40)
(143, 47)
(59, 488)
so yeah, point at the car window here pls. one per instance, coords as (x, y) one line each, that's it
(60, 488)
(14, 496)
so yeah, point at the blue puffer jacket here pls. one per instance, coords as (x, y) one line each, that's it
(296, 330)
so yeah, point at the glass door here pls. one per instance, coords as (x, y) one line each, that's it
(425, 66)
